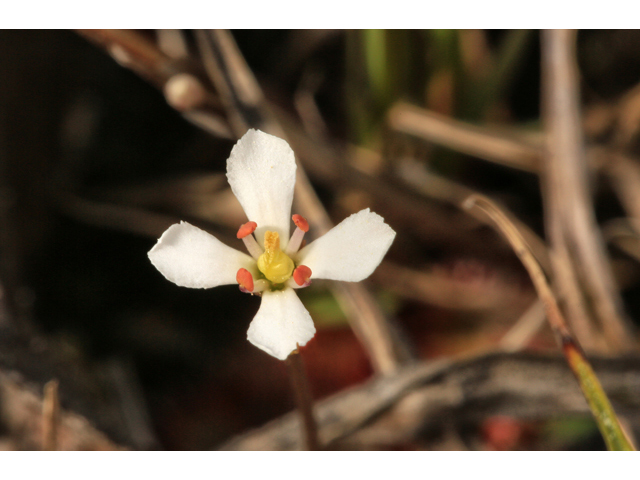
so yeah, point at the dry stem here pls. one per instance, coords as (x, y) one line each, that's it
(304, 400)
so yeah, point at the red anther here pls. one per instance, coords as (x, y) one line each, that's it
(245, 280)
(302, 274)
(301, 222)
(247, 229)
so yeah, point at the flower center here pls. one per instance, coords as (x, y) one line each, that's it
(274, 263)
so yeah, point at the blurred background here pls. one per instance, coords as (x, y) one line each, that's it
(99, 155)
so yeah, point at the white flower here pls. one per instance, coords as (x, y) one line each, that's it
(262, 171)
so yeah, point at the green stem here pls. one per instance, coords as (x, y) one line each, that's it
(603, 412)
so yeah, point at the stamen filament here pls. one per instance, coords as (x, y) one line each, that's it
(302, 227)
(245, 233)
(252, 246)
(294, 243)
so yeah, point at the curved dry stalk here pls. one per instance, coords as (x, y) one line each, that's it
(601, 408)
(524, 253)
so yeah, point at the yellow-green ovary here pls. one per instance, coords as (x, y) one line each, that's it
(274, 263)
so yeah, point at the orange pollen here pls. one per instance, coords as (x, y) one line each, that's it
(245, 280)
(247, 229)
(301, 222)
(302, 274)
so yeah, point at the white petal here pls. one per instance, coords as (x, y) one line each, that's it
(281, 324)
(262, 173)
(350, 251)
(190, 257)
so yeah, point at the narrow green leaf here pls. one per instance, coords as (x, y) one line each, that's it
(601, 408)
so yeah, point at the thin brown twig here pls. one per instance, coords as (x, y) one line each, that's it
(304, 400)
(517, 153)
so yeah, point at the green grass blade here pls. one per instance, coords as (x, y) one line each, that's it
(599, 404)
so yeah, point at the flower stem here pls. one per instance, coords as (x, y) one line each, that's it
(304, 400)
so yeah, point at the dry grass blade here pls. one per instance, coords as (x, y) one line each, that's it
(464, 137)
(601, 408)
(524, 253)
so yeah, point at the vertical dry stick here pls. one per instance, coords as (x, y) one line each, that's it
(304, 399)
(50, 414)
(564, 273)
(574, 230)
